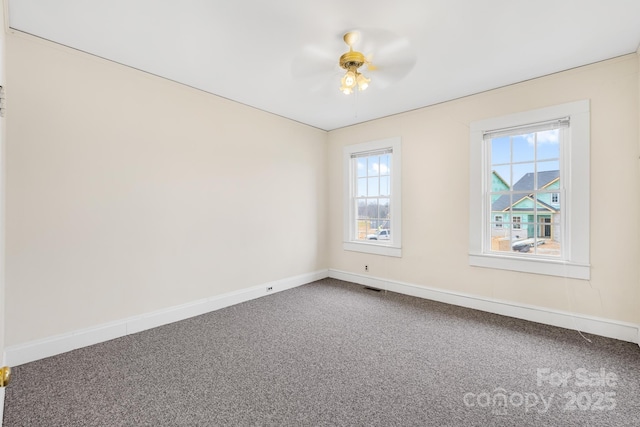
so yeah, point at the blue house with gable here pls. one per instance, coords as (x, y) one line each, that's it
(518, 212)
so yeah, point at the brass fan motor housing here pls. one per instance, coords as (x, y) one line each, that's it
(352, 59)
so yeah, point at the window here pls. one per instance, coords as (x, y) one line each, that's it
(520, 165)
(527, 160)
(516, 222)
(372, 197)
(498, 221)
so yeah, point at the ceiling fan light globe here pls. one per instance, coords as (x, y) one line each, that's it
(363, 82)
(349, 79)
(345, 89)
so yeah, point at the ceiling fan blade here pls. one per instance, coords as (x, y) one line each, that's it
(382, 41)
(388, 75)
(369, 62)
(394, 55)
(313, 61)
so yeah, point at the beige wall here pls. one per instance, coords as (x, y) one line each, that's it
(127, 193)
(435, 194)
(2, 191)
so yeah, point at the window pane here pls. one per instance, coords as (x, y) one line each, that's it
(385, 164)
(548, 144)
(373, 186)
(501, 239)
(361, 222)
(503, 177)
(362, 187)
(361, 163)
(362, 229)
(385, 188)
(500, 202)
(383, 211)
(523, 175)
(372, 208)
(523, 148)
(362, 209)
(549, 166)
(500, 150)
(374, 165)
(549, 174)
(521, 202)
(548, 240)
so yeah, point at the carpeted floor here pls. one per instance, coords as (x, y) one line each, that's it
(334, 353)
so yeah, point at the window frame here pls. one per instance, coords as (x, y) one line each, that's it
(574, 166)
(392, 247)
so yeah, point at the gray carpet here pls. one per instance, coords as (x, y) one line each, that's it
(335, 353)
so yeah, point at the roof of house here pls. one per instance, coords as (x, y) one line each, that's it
(524, 184)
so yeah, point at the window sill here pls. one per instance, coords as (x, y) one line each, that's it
(532, 265)
(373, 248)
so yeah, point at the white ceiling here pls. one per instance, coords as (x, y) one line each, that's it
(281, 56)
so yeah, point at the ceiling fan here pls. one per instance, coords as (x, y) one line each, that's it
(315, 66)
(352, 61)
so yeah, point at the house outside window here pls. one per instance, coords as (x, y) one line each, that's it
(528, 162)
(520, 165)
(372, 209)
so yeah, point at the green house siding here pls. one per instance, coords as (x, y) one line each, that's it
(548, 197)
(497, 184)
(554, 186)
(524, 209)
(525, 204)
(547, 207)
(527, 225)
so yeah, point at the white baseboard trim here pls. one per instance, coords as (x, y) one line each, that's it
(593, 325)
(1, 406)
(3, 358)
(39, 349)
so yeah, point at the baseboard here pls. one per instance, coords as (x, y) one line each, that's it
(1, 406)
(36, 350)
(3, 359)
(39, 349)
(589, 324)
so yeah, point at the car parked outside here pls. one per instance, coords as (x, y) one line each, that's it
(383, 234)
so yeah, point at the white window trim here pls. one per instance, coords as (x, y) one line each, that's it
(394, 246)
(575, 169)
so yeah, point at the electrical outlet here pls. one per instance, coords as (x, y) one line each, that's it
(366, 268)
(269, 288)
